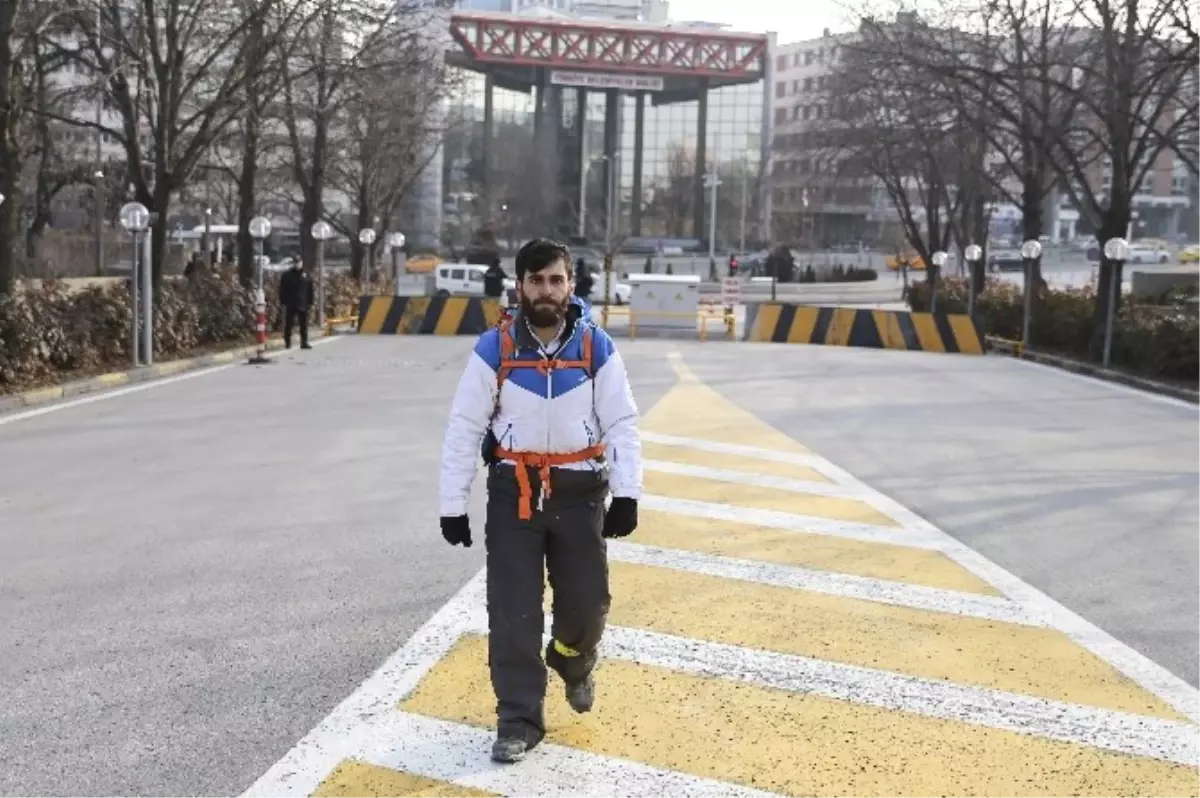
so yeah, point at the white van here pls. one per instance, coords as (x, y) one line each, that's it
(463, 279)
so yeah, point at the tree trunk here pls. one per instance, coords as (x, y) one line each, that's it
(1032, 197)
(247, 247)
(9, 157)
(158, 236)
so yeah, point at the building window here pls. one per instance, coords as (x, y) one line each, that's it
(781, 63)
(780, 90)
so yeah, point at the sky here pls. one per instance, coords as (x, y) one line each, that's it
(804, 20)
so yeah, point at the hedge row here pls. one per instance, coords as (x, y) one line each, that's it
(49, 333)
(1155, 341)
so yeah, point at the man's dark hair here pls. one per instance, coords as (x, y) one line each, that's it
(540, 253)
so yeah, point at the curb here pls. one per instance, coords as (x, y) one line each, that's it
(115, 379)
(1013, 349)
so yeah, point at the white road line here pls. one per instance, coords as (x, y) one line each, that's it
(155, 382)
(751, 478)
(992, 608)
(921, 533)
(1115, 387)
(719, 447)
(458, 753)
(312, 758)
(1116, 731)
(917, 537)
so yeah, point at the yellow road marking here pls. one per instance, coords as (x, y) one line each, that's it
(693, 410)
(735, 462)
(793, 743)
(971, 651)
(681, 486)
(784, 547)
(353, 778)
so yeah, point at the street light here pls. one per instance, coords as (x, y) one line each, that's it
(711, 181)
(135, 219)
(260, 228)
(1116, 250)
(366, 237)
(396, 247)
(939, 260)
(974, 255)
(321, 232)
(1031, 250)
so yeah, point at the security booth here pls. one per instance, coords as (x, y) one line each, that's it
(663, 303)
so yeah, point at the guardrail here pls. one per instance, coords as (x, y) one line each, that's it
(704, 314)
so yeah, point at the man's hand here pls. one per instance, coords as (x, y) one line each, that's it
(456, 529)
(621, 518)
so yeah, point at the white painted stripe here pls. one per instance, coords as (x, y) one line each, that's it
(992, 608)
(1150, 675)
(718, 447)
(751, 478)
(1123, 732)
(104, 394)
(460, 754)
(1116, 731)
(919, 537)
(1115, 387)
(308, 763)
(921, 533)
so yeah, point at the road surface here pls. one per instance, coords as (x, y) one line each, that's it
(863, 572)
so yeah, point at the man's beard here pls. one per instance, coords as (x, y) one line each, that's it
(546, 313)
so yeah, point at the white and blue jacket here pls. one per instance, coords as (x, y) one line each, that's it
(560, 412)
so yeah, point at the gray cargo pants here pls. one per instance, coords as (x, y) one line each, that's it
(563, 538)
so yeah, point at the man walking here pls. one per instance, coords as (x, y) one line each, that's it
(296, 296)
(546, 398)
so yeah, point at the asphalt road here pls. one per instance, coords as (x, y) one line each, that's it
(196, 573)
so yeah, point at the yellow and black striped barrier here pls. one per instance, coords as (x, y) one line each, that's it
(426, 315)
(863, 327)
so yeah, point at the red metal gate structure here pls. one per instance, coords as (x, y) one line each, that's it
(545, 56)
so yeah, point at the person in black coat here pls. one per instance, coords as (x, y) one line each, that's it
(493, 280)
(296, 296)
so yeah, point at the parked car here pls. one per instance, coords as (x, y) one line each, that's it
(464, 279)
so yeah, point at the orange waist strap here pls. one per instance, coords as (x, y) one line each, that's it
(543, 462)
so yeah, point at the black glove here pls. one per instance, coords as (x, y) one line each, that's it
(456, 529)
(621, 518)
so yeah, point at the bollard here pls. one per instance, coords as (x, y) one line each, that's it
(260, 327)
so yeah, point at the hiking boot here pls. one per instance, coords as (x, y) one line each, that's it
(509, 749)
(581, 694)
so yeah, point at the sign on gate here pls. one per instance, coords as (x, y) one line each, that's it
(731, 291)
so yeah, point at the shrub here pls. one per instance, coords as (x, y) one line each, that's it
(49, 333)
(1154, 341)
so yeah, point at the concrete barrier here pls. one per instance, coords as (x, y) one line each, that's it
(863, 327)
(426, 315)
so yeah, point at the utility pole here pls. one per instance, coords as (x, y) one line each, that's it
(99, 175)
(712, 181)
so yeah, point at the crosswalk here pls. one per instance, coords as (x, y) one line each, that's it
(777, 628)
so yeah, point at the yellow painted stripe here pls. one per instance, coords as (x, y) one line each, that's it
(804, 321)
(377, 310)
(889, 329)
(965, 334)
(840, 326)
(353, 778)
(971, 651)
(792, 743)
(451, 316)
(42, 395)
(736, 462)
(693, 410)
(827, 553)
(117, 378)
(681, 486)
(764, 322)
(927, 332)
(491, 312)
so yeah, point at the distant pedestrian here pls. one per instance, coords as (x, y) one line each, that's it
(296, 296)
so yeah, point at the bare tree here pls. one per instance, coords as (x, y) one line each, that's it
(387, 135)
(177, 72)
(341, 45)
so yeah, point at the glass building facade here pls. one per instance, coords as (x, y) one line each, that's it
(533, 167)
